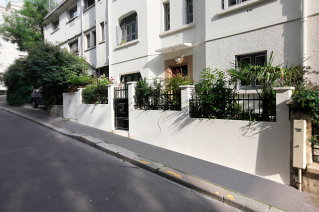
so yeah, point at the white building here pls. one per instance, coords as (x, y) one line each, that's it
(130, 37)
(8, 51)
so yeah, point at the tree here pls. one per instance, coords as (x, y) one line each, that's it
(19, 88)
(24, 27)
(49, 67)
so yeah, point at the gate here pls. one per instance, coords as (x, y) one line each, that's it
(121, 108)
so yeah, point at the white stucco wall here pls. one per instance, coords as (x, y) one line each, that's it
(262, 149)
(284, 40)
(313, 49)
(71, 102)
(89, 18)
(97, 116)
(102, 47)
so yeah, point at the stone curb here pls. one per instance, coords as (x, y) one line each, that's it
(217, 192)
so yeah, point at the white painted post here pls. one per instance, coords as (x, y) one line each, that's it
(79, 97)
(110, 97)
(186, 94)
(283, 94)
(131, 95)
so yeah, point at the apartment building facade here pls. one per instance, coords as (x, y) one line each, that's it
(128, 39)
(8, 51)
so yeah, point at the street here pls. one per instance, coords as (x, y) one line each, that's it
(42, 170)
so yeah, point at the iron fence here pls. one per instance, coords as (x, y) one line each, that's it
(254, 107)
(164, 101)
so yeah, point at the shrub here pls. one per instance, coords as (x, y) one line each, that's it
(177, 79)
(77, 81)
(48, 66)
(19, 88)
(95, 94)
(215, 95)
(307, 102)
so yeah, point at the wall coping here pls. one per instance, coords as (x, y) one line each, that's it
(187, 86)
(283, 89)
(131, 83)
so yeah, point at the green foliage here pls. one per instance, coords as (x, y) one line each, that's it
(267, 75)
(152, 96)
(215, 95)
(172, 83)
(48, 66)
(80, 80)
(24, 27)
(95, 94)
(19, 88)
(143, 92)
(307, 102)
(103, 80)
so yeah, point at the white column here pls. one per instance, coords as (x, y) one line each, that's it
(79, 97)
(131, 95)
(186, 94)
(283, 94)
(110, 97)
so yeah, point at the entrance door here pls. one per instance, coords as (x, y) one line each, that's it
(121, 108)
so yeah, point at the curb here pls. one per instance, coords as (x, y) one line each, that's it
(210, 189)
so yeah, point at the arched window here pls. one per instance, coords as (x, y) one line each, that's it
(128, 29)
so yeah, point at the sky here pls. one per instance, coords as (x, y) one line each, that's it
(4, 3)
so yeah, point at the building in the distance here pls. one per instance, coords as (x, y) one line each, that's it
(8, 51)
(128, 39)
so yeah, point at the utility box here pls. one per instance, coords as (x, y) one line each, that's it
(299, 143)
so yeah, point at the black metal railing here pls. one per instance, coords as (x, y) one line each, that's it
(164, 101)
(253, 107)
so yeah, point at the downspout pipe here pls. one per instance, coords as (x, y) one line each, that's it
(304, 33)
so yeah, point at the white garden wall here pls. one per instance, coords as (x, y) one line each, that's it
(259, 148)
(97, 116)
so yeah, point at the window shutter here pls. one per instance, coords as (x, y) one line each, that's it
(119, 34)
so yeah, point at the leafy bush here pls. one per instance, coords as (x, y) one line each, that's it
(177, 79)
(214, 94)
(48, 66)
(19, 88)
(77, 81)
(307, 102)
(95, 94)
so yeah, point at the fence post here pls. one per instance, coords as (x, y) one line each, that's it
(110, 102)
(186, 94)
(131, 95)
(283, 94)
(79, 97)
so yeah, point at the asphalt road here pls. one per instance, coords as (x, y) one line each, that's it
(42, 170)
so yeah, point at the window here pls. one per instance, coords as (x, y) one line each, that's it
(167, 17)
(231, 3)
(87, 41)
(55, 25)
(234, 2)
(130, 78)
(252, 59)
(94, 38)
(102, 31)
(189, 11)
(127, 30)
(88, 3)
(74, 47)
(73, 12)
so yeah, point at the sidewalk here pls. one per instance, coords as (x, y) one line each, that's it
(260, 189)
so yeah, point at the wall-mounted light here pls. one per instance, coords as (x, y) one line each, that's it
(177, 59)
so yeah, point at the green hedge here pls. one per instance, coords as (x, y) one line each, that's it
(95, 94)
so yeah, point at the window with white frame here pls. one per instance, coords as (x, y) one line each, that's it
(94, 38)
(102, 31)
(229, 3)
(88, 3)
(74, 47)
(258, 59)
(88, 37)
(189, 11)
(127, 31)
(167, 18)
(73, 12)
(55, 25)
